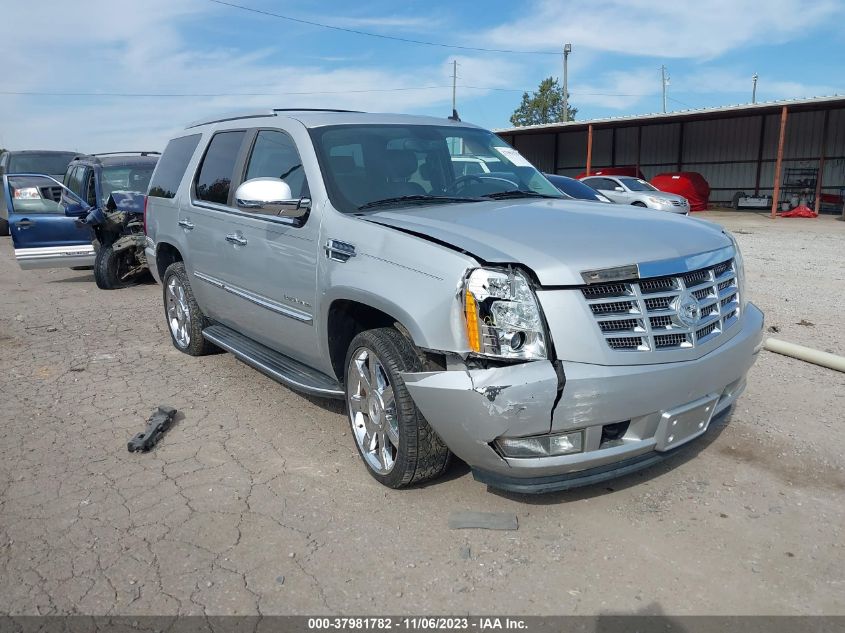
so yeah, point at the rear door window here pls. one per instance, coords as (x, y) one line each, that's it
(214, 178)
(74, 180)
(171, 167)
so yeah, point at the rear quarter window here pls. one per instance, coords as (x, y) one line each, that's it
(217, 169)
(172, 165)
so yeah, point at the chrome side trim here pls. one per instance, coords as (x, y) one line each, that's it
(264, 302)
(48, 252)
(211, 206)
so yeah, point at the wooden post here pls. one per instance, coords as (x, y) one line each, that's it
(779, 162)
(639, 145)
(821, 161)
(613, 147)
(589, 147)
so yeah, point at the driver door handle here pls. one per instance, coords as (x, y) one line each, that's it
(186, 224)
(24, 224)
(234, 238)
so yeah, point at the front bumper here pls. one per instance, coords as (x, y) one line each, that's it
(470, 409)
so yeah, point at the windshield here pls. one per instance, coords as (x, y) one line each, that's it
(576, 188)
(51, 163)
(635, 184)
(369, 165)
(125, 178)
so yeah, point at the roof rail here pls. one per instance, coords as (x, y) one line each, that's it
(234, 116)
(142, 153)
(313, 110)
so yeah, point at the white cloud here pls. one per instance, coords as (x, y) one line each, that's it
(143, 49)
(657, 28)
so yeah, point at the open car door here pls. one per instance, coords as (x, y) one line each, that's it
(43, 221)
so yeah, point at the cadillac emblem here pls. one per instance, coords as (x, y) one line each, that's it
(689, 311)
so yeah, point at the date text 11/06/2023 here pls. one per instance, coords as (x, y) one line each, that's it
(419, 623)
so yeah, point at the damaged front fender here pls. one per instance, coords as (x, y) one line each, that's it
(470, 408)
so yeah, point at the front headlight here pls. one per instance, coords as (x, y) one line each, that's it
(502, 315)
(658, 201)
(739, 266)
(27, 193)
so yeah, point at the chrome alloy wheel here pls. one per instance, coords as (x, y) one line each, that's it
(372, 409)
(178, 314)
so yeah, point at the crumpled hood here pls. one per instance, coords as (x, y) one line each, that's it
(558, 239)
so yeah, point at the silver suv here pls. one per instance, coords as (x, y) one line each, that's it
(637, 192)
(545, 343)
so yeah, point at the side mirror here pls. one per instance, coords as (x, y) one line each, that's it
(617, 188)
(271, 196)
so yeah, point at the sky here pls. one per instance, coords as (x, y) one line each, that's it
(196, 58)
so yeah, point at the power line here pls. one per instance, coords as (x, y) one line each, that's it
(36, 93)
(209, 94)
(680, 102)
(379, 35)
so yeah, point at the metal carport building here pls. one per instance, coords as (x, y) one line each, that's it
(735, 148)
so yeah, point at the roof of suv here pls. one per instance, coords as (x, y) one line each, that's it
(320, 118)
(36, 151)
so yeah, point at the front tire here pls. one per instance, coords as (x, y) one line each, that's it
(185, 320)
(638, 204)
(393, 438)
(109, 267)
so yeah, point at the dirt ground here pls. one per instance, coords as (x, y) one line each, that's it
(256, 502)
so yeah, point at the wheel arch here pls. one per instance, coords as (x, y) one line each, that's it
(166, 254)
(347, 316)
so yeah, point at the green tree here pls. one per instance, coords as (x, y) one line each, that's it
(544, 106)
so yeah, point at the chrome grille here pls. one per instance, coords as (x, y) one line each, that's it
(643, 315)
(52, 192)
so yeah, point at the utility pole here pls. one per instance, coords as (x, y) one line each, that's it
(754, 88)
(567, 48)
(454, 83)
(664, 80)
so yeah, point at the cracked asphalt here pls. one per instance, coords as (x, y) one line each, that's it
(256, 502)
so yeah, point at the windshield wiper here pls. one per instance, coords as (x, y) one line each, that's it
(416, 199)
(517, 193)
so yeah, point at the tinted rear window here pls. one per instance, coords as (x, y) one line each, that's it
(35, 163)
(172, 165)
(218, 166)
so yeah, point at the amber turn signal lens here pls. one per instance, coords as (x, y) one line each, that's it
(473, 329)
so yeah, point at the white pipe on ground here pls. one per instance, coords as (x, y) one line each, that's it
(808, 354)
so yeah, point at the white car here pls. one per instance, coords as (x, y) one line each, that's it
(635, 191)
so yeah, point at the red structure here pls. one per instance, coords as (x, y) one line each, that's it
(689, 184)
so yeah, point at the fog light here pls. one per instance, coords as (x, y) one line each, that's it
(541, 445)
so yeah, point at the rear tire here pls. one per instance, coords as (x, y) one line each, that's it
(393, 438)
(4, 227)
(185, 320)
(108, 267)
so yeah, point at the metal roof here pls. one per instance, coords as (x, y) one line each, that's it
(813, 103)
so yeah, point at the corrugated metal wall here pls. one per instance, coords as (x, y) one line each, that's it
(726, 151)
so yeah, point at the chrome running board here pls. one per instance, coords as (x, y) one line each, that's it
(279, 367)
